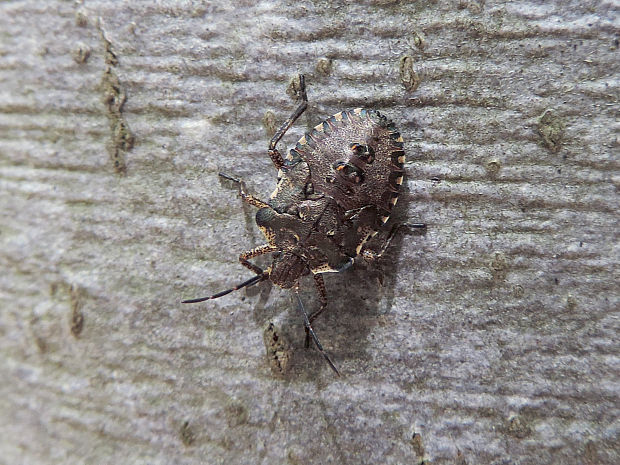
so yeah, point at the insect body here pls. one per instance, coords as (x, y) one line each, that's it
(335, 191)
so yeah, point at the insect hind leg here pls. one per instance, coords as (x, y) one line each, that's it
(320, 287)
(310, 330)
(375, 255)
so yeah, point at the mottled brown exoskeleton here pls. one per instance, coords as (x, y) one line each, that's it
(335, 191)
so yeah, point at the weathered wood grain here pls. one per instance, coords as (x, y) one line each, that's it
(494, 338)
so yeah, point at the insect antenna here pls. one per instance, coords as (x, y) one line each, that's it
(314, 338)
(249, 282)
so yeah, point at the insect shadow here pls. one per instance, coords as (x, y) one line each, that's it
(361, 299)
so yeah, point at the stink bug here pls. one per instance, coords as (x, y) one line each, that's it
(335, 191)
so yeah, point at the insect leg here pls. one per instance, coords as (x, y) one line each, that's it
(314, 337)
(320, 287)
(358, 212)
(243, 258)
(248, 198)
(276, 157)
(260, 250)
(370, 255)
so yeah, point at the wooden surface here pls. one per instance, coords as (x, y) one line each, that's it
(494, 338)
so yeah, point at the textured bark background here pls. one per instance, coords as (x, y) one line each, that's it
(494, 337)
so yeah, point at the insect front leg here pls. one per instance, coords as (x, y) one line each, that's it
(248, 198)
(275, 155)
(260, 250)
(320, 287)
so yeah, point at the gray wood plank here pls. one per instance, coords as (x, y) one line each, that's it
(494, 337)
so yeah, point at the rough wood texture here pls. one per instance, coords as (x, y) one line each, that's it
(494, 338)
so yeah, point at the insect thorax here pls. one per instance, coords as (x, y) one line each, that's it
(286, 270)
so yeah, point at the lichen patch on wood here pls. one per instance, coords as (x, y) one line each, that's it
(408, 77)
(278, 350)
(551, 130)
(114, 98)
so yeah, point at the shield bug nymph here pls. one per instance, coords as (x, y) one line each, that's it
(335, 192)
